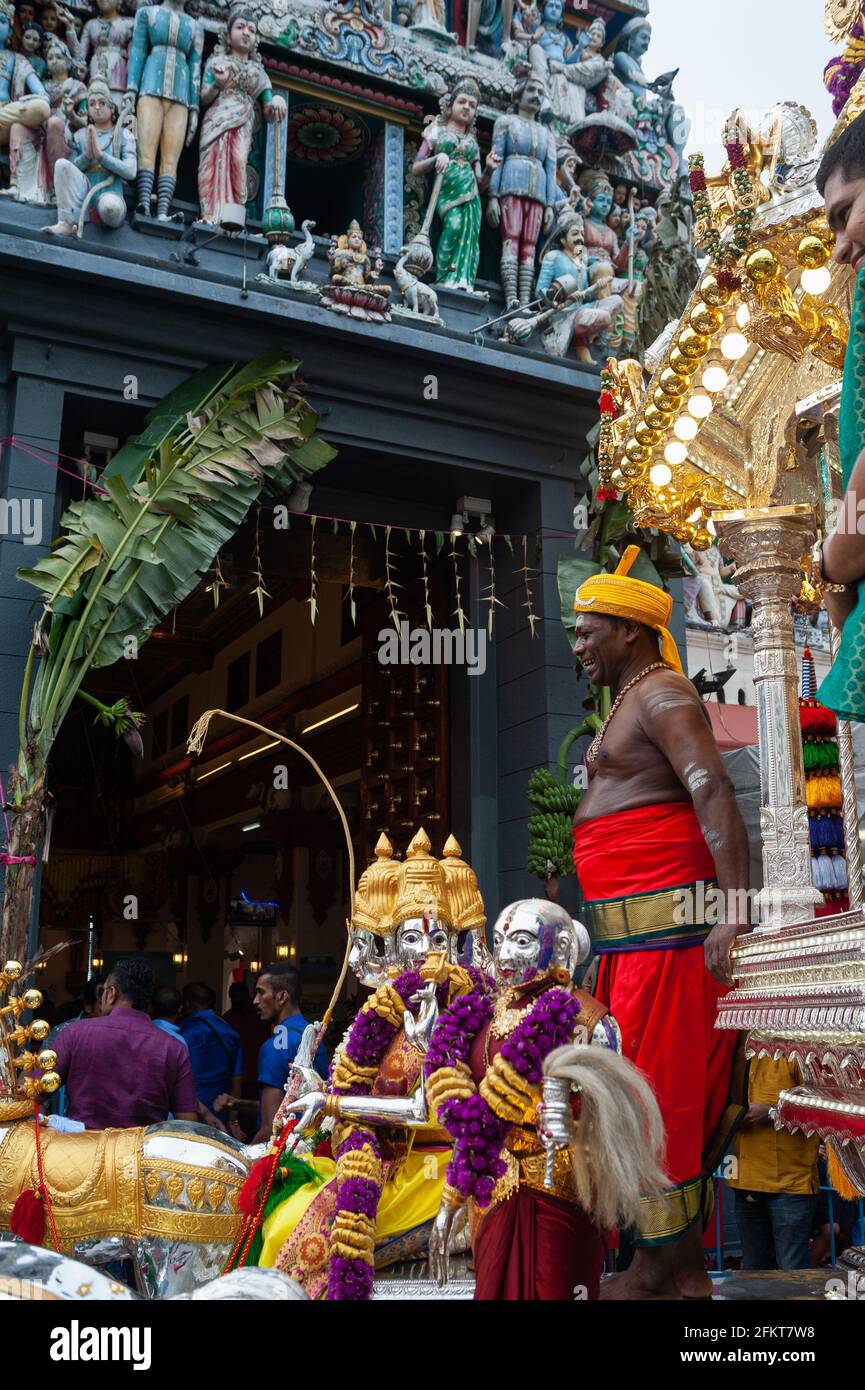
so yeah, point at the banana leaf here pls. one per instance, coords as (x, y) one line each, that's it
(574, 571)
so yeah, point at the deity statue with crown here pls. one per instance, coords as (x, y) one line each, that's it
(353, 287)
(660, 124)
(416, 930)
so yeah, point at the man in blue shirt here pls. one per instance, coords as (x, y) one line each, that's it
(277, 1000)
(167, 1012)
(215, 1049)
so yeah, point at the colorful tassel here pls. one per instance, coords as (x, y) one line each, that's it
(291, 1174)
(838, 1178)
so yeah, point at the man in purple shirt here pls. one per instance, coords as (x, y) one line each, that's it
(120, 1070)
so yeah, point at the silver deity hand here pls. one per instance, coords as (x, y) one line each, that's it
(307, 1109)
(555, 1123)
(439, 1244)
(418, 1028)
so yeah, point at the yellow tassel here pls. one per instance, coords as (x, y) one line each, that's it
(838, 1178)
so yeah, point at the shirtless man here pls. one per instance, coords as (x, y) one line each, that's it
(657, 831)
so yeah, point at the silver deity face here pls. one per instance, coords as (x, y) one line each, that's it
(416, 937)
(364, 960)
(534, 936)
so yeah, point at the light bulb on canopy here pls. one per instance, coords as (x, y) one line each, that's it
(816, 281)
(686, 428)
(700, 405)
(734, 346)
(743, 316)
(715, 379)
(660, 475)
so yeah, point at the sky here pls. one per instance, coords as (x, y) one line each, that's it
(748, 53)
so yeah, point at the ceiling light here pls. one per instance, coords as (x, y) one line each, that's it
(743, 316)
(457, 524)
(330, 718)
(282, 951)
(816, 281)
(253, 825)
(734, 346)
(255, 752)
(700, 405)
(661, 475)
(212, 772)
(686, 428)
(715, 378)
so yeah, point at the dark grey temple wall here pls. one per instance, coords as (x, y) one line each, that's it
(512, 423)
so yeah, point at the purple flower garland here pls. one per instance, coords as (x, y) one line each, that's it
(367, 1042)
(477, 1131)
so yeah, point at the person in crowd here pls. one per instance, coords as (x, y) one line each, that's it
(277, 1001)
(215, 1049)
(775, 1180)
(119, 1069)
(243, 1018)
(168, 1012)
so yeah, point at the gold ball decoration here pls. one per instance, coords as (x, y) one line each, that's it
(50, 1082)
(693, 345)
(704, 318)
(680, 364)
(664, 402)
(762, 265)
(39, 1029)
(657, 420)
(812, 253)
(12, 969)
(680, 533)
(47, 1059)
(702, 538)
(636, 452)
(712, 292)
(645, 435)
(632, 470)
(673, 382)
(32, 999)
(617, 477)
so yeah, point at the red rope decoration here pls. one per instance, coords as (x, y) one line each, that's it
(43, 1190)
(252, 1223)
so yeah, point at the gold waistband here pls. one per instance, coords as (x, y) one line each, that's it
(647, 917)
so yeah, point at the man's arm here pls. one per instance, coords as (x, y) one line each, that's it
(270, 1099)
(844, 550)
(685, 737)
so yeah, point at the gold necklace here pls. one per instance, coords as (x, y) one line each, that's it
(506, 1018)
(595, 745)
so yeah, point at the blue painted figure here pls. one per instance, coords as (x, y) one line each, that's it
(23, 99)
(164, 79)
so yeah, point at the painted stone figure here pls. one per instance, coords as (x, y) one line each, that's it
(102, 161)
(34, 153)
(23, 99)
(164, 79)
(450, 147)
(234, 81)
(570, 71)
(660, 124)
(31, 44)
(353, 287)
(582, 320)
(104, 44)
(523, 189)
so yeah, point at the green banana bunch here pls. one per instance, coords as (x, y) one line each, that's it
(549, 826)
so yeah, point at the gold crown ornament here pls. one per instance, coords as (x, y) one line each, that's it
(18, 1089)
(422, 887)
(376, 892)
(464, 899)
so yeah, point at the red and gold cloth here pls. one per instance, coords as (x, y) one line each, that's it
(665, 1001)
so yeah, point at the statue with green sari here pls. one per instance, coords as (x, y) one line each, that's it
(450, 148)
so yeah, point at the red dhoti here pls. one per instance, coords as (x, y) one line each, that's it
(645, 875)
(537, 1247)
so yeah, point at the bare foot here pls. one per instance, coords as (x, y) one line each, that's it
(689, 1265)
(636, 1286)
(61, 229)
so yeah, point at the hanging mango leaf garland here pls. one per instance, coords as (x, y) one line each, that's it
(173, 496)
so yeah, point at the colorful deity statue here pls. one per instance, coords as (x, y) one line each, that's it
(23, 98)
(523, 188)
(450, 147)
(234, 83)
(384, 1181)
(164, 81)
(637, 235)
(354, 287)
(31, 44)
(661, 125)
(102, 161)
(591, 309)
(491, 1082)
(34, 153)
(527, 21)
(570, 70)
(103, 47)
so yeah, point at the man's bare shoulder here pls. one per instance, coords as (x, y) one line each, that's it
(667, 692)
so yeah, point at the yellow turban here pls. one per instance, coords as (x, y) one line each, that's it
(619, 597)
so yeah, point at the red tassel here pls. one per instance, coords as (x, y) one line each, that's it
(28, 1217)
(249, 1196)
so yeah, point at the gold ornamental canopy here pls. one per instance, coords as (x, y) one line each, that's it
(716, 428)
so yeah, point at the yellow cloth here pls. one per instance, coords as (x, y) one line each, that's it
(770, 1159)
(616, 596)
(409, 1198)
